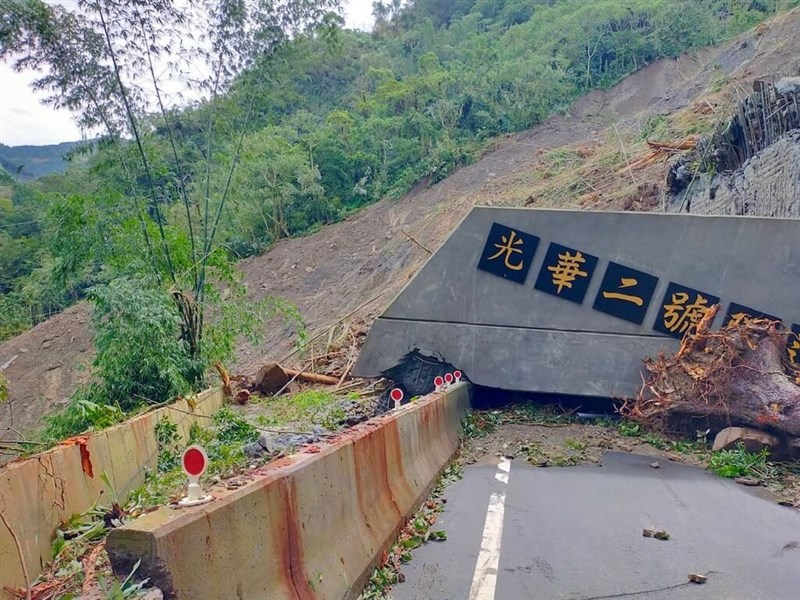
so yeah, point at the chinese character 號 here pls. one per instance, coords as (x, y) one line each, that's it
(567, 270)
(682, 314)
(682, 309)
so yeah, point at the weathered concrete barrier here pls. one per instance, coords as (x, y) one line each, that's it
(309, 526)
(40, 492)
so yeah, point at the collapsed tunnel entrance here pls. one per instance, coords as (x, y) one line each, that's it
(570, 303)
(416, 372)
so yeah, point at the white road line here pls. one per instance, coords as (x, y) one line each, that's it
(484, 581)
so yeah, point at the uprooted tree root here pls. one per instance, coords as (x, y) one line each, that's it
(736, 376)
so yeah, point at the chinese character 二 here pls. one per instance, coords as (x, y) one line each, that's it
(681, 314)
(510, 246)
(625, 282)
(567, 270)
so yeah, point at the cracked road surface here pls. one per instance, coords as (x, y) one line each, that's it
(518, 532)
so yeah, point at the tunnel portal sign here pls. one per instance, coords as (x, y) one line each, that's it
(572, 301)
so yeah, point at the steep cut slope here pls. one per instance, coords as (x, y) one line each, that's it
(570, 160)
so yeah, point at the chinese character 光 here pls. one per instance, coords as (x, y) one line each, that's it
(508, 248)
(679, 315)
(625, 282)
(567, 270)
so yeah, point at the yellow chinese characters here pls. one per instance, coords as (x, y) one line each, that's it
(794, 347)
(567, 270)
(508, 248)
(625, 282)
(682, 314)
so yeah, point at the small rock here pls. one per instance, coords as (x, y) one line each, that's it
(648, 532)
(153, 594)
(309, 269)
(270, 378)
(753, 439)
(253, 450)
(655, 465)
(267, 442)
(788, 85)
(661, 535)
(697, 578)
(47, 344)
(747, 481)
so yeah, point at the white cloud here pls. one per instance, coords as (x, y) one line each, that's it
(25, 120)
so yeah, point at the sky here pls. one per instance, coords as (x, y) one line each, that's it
(24, 120)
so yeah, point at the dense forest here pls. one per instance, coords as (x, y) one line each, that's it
(304, 132)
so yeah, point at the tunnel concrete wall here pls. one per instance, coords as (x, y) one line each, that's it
(309, 526)
(505, 322)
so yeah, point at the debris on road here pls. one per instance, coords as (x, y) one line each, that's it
(697, 578)
(655, 465)
(717, 378)
(750, 481)
(651, 532)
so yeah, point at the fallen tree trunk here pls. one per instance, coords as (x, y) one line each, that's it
(733, 377)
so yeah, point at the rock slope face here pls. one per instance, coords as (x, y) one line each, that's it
(767, 185)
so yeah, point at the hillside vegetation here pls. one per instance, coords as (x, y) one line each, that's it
(322, 125)
(30, 162)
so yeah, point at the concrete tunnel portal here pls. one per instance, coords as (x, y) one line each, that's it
(568, 303)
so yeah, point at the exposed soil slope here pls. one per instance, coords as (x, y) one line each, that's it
(338, 269)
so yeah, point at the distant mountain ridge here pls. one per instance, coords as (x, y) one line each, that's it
(31, 162)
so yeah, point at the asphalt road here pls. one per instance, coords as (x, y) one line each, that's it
(576, 533)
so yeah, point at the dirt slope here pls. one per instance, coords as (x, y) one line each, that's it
(338, 269)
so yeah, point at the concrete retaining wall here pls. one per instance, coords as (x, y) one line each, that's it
(38, 493)
(309, 526)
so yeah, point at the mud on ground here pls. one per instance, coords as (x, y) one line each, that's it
(546, 440)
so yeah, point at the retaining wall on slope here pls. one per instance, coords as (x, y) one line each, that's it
(38, 493)
(310, 526)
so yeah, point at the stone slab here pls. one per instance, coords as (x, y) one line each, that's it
(514, 329)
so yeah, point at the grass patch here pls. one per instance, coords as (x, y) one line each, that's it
(738, 462)
(304, 408)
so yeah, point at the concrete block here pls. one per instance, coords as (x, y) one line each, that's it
(38, 493)
(526, 333)
(309, 526)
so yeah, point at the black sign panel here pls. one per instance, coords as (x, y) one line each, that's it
(625, 293)
(508, 253)
(738, 311)
(681, 309)
(566, 273)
